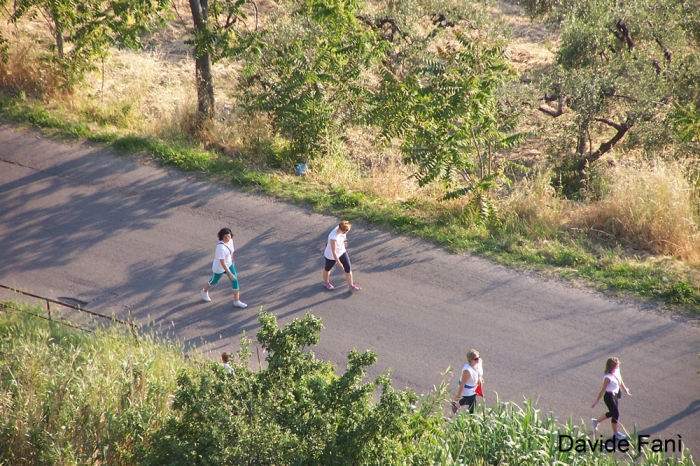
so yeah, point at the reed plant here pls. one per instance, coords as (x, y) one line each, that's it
(508, 434)
(70, 398)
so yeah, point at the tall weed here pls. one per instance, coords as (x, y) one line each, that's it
(533, 209)
(70, 398)
(25, 71)
(509, 434)
(650, 207)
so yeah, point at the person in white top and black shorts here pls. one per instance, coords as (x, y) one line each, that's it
(612, 384)
(472, 376)
(336, 253)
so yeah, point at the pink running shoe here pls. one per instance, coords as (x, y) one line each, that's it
(329, 286)
(354, 288)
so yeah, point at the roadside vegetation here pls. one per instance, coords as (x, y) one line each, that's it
(107, 398)
(561, 138)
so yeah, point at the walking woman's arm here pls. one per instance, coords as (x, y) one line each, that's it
(602, 390)
(228, 271)
(461, 384)
(335, 254)
(624, 387)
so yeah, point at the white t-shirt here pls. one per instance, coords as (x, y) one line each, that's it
(223, 251)
(474, 374)
(614, 378)
(339, 238)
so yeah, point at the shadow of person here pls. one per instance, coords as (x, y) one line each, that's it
(692, 408)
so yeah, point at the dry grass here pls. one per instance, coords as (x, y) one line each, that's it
(649, 208)
(652, 207)
(532, 45)
(363, 165)
(533, 208)
(24, 70)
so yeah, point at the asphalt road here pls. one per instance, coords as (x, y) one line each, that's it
(78, 222)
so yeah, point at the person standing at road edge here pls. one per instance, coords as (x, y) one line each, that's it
(225, 358)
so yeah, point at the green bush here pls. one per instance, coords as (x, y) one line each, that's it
(681, 293)
(297, 411)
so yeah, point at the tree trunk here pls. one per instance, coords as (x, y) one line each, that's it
(59, 39)
(203, 74)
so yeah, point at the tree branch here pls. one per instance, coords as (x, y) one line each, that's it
(548, 110)
(622, 27)
(621, 128)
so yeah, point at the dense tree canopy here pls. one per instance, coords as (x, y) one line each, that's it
(629, 72)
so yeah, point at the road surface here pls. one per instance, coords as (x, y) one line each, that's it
(117, 233)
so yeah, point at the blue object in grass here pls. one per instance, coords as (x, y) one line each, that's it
(301, 168)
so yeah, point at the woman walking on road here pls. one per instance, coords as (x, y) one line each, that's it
(223, 264)
(336, 253)
(472, 376)
(612, 384)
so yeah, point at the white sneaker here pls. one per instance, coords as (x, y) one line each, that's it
(240, 304)
(620, 436)
(205, 296)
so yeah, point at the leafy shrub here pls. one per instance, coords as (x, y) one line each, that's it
(681, 293)
(297, 411)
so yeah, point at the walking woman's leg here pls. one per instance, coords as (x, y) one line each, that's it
(613, 412)
(330, 263)
(345, 260)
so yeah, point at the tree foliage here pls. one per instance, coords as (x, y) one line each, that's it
(447, 116)
(308, 71)
(84, 31)
(296, 411)
(398, 67)
(622, 69)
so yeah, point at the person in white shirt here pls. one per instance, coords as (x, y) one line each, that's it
(612, 384)
(336, 253)
(472, 375)
(223, 264)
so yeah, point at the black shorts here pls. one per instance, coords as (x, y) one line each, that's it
(344, 259)
(469, 401)
(610, 400)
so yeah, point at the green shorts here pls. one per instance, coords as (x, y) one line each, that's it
(217, 276)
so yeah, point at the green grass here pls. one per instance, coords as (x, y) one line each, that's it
(670, 283)
(74, 398)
